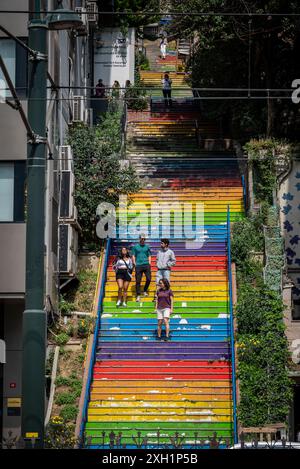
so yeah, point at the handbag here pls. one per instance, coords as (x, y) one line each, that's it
(129, 270)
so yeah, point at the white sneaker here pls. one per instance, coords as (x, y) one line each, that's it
(119, 302)
(145, 293)
(124, 304)
(138, 299)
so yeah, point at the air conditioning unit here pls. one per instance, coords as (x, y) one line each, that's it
(65, 158)
(92, 12)
(82, 13)
(67, 188)
(89, 116)
(68, 250)
(78, 109)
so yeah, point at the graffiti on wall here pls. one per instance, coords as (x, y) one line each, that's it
(289, 196)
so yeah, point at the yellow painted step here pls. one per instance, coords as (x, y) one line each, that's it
(206, 287)
(162, 385)
(145, 404)
(187, 276)
(166, 395)
(158, 418)
(178, 282)
(202, 297)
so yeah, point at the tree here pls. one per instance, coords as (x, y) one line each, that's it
(139, 12)
(221, 58)
(98, 174)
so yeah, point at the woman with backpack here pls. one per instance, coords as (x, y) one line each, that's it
(123, 266)
(167, 89)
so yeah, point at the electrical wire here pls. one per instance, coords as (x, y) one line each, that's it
(156, 13)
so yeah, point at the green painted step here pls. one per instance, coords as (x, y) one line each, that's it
(129, 428)
(210, 218)
(152, 438)
(195, 305)
(153, 315)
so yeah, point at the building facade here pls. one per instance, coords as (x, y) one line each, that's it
(67, 101)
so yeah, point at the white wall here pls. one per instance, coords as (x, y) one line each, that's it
(114, 59)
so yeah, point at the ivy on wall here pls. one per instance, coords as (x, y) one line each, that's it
(263, 355)
(267, 156)
(265, 387)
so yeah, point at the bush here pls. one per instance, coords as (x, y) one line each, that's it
(254, 307)
(136, 97)
(142, 61)
(59, 435)
(62, 339)
(265, 387)
(65, 398)
(66, 307)
(62, 381)
(98, 174)
(69, 412)
(84, 326)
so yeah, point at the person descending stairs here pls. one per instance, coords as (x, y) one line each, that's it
(155, 388)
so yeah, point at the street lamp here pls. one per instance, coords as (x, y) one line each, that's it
(34, 317)
(63, 18)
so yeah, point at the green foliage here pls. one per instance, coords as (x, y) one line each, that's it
(61, 339)
(64, 398)
(247, 239)
(97, 170)
(261, 154)
(81, 358)
(69, 412)
(135, 96)
(220, 60)
(263, 357)
(137, 8)
(254, 306)
(142, 61)
(59, 434)
(62, 381)
(65, 307)
(84, 326)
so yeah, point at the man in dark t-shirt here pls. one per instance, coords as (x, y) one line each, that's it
(141, 257)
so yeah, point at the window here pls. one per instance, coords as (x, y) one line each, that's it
(8, 53)
(12, 189)
(15, 58)
(6, 192)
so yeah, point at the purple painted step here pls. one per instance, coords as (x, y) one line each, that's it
(161, 350)
(181, 251)
(174, 244)
(164, 356)
(213, 345)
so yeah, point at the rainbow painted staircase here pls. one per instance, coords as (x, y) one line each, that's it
(155, 389)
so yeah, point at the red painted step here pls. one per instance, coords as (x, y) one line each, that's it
(194, 364)
(162, 369)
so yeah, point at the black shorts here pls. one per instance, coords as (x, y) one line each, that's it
(123, 275)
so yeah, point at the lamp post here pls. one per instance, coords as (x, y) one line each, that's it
(34, 317)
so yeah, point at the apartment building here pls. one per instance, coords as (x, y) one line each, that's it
(67, 101)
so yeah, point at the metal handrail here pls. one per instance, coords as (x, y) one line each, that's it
(233, 372)
(95, 340)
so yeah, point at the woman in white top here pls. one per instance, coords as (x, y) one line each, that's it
(123, 266)
(163, 48)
